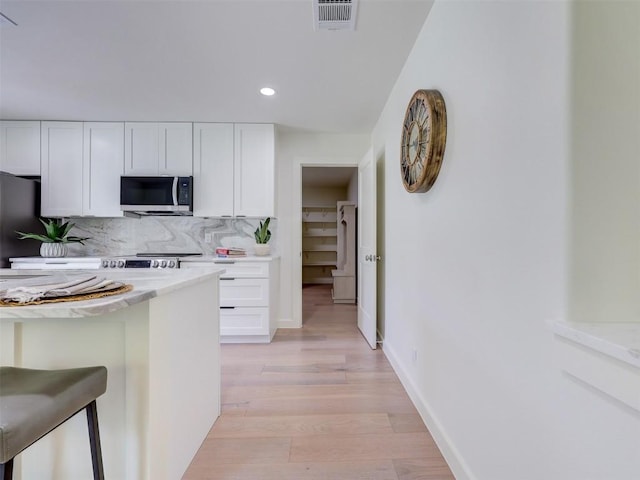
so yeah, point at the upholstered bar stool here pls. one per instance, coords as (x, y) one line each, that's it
(34, 402)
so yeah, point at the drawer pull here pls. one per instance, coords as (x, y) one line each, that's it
(223, 262)
(226, 308)
(227, 278)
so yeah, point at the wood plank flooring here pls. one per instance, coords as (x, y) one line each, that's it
(318, 404)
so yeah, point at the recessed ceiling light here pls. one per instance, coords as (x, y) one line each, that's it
(267, 91)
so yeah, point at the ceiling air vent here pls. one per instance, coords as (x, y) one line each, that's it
(334, 14)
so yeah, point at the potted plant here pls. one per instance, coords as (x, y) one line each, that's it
(55, 238)
(262, 236)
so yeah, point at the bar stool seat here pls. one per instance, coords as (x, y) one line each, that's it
(34, 402)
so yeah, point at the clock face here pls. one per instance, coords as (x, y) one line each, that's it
(424, 134)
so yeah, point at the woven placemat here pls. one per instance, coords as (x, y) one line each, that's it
(70, 298)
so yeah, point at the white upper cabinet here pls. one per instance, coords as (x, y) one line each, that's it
(254, 167)
(233, 170)
(213, 169)
(20, 147)
(103, 161)
(176, 149)
(158, 149)
(142, 148)
(81, 168)
(62, 169)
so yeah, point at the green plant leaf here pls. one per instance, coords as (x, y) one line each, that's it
(55, 232)
(262, 233)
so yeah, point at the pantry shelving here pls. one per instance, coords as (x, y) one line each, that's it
(319, 243)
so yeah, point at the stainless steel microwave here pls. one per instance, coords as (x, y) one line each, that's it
(157, 195)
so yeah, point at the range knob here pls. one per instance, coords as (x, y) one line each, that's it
(163, 263)
(120, 263)
(172, 264)
(105, 263)
(154, 263)
(112, 264)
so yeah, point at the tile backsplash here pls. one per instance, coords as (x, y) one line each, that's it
(128, 236)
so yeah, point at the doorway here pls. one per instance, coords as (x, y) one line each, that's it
(329, 197)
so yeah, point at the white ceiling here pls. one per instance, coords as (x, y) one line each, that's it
(187, 60)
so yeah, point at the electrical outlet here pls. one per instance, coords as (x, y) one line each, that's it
(208, 237)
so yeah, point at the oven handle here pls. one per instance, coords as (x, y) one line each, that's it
(175, 191)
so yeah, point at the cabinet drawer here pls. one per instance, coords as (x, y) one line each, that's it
(244, 292)
(244, 321)
(244, 269)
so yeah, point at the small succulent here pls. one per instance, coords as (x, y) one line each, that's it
(55, 232)
(262, 233)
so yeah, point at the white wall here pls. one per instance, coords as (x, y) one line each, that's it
(475, 268)
(320, 149)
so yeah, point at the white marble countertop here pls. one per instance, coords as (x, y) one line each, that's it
(216, 259)
(618, 340)
(147, 284)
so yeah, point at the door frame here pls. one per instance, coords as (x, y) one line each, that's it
(296, 230)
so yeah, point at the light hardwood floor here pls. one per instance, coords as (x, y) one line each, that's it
(317, 403)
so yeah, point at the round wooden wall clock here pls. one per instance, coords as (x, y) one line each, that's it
(424, 134)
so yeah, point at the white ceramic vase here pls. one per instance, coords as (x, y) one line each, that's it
(53, 250)
(262, 249)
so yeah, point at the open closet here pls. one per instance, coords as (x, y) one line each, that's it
(329, 226)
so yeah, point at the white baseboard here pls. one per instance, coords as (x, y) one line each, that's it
(288, 323)
(456, 463)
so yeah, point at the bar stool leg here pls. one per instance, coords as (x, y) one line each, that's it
(6, 470)
(94, 440)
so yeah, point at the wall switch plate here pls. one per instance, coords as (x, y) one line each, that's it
(208, 237)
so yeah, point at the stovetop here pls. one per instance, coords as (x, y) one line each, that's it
(167, 254)
(156, 260)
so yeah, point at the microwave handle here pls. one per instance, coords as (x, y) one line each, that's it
(175, 191)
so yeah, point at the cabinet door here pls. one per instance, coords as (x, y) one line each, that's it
(254, 170)
(176, 149)
(244, 321)
(213, 170)
(20, 148)
(244, 292)
(61, 169)
(142, 149)
(103, 165)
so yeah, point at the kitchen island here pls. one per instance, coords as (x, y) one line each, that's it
(160, 344)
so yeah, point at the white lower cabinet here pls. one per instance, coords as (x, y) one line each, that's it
(243, 322)
(248, 299)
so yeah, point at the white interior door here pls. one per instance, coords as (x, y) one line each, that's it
(367, 253)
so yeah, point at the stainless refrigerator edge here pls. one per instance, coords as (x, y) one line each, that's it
(19, 210)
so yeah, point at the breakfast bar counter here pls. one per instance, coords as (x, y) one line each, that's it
(160, 344)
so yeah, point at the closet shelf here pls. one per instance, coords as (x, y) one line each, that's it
(320, 248)
(327, 233)
(324, 263)
(317, 280)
